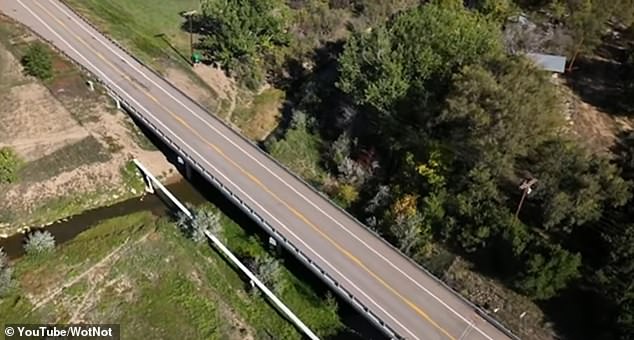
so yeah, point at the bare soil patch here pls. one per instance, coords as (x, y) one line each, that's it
(209, 86)
(598, 130)
(36, 124)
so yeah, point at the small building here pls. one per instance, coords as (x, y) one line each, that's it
(549, 62)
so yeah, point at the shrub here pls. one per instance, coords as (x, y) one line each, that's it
(268, 270)
(346, 195)
(39, 242)
(202, 220)
(10, 163)
(299, 150)
(37, 61)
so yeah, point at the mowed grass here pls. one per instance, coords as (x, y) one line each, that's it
(142, 273)
(138, 23)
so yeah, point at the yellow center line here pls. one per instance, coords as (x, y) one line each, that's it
(413, 306)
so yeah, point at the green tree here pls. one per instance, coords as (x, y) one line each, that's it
(37, 61)
(574, 186)
(268, 270)
(625, 320)
(478, 211)
(340, 149)
(588, 20)
(10, 164)
(346, 195)
(376, 11)
(399, 68)
(616, 277)
(241, 34)
(498, 112)
(408, 227)
(547, 270)
(412, 234)
(201, 221)
(497, 10)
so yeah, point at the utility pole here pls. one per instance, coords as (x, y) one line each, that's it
(526, 188)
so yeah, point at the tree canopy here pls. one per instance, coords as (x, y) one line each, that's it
(462, 125)
(408, 61)
(497, 112)
(241, 33)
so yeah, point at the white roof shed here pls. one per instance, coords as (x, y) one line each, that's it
(549, 62)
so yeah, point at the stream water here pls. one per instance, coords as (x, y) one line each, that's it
(67, 228)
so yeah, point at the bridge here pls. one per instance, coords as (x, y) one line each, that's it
(400, 297)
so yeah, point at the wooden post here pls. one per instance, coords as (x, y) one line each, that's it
(526, 189)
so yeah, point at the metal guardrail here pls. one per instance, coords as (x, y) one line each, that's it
(357, 304)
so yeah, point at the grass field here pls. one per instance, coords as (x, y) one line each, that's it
(142, 273)
(260, 117)
(139, 23)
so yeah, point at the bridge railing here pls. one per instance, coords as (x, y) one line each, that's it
(357, 304)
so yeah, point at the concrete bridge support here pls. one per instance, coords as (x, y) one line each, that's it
(149, 187)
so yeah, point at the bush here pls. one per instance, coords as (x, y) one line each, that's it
(299, 150)
(202, 220)
(267, 269)
(346, 195)
(39, 242)
(37, 61)
(10, 163)
(497, 10)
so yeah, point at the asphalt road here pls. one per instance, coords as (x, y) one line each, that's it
(410, 301)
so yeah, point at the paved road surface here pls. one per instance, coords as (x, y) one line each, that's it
(410, 301)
